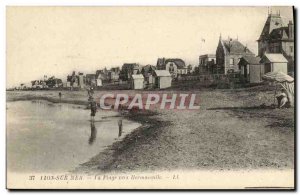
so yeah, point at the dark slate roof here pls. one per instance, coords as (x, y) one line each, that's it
(251, 59)
(280, 33)
(163, 61)
(235, 47)
(208, 56)
(148, 67)
(274, 21)
(179, 62)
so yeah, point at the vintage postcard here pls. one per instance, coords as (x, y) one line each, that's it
(150, 97)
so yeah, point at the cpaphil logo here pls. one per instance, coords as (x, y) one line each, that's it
(147, 101)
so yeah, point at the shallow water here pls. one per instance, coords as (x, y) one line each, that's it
(47, 137)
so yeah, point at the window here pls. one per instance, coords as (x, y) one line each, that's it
(231, 61)
(171, 68)
(291, 49)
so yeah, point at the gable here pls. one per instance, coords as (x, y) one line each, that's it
(273, 21)
(220, 49)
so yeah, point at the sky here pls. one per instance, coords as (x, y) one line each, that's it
(57, 40)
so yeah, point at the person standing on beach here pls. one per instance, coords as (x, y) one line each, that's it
(282, 99)
(93, 104)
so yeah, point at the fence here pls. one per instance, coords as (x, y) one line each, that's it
(231, 80)
(211, 77)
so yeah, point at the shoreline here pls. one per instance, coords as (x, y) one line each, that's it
(230, 131)
(104, 160)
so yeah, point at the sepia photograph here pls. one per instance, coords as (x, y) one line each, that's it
(156, 98)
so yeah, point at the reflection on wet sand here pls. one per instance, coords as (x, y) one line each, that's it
(46, 137)
(93, 133)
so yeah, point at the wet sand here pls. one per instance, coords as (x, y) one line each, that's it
(231, 131)
(39, 130)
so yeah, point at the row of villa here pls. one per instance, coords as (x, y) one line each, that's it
(275, 53)
(136, 75)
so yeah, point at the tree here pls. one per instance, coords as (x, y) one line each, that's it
(196, 70)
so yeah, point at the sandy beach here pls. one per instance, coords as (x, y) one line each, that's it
(232, 130)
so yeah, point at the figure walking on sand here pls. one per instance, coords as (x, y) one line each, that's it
(93, 104)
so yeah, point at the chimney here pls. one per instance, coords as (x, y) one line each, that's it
(291, 30)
